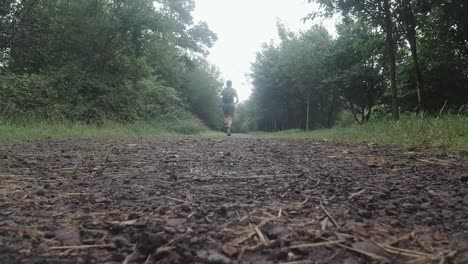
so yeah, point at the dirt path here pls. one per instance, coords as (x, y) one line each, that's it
(236, 200)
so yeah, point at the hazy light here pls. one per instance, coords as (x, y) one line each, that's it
(242, 26)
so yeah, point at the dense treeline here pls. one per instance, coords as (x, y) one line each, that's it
(91, 60)
(389, 56)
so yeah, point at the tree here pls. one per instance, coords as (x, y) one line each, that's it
(357, 56)
(379, 13)
(289, 81)
(408, 19)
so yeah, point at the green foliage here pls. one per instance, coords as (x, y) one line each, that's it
(202, 88)
(95, 60)
(28, 94)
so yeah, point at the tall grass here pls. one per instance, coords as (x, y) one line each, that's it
(46, 129)
(446, 132)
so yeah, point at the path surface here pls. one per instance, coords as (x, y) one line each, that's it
(230, 200)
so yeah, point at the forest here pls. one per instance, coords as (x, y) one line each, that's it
(389, 57)
(90, 61)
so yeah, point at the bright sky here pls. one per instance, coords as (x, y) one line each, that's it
(242, 26)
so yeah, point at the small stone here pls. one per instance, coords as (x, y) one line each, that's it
(133, 216)
(41, 192)
(170, 230)
(464, 178)
(49, 235)
(213, 257)
(277, 232)
(148, 242)
(68, 236)
(120, 241)
(364, 213)
(229, 250)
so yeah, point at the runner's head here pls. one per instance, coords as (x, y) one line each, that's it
(229, 83)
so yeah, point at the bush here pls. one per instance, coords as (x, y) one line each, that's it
(79, 96)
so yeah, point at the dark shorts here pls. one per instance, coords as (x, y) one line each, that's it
(229, 109)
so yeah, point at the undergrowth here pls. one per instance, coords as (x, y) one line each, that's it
(23, 130)
(445, 132)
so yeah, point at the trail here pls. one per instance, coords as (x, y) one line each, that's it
(230, 200)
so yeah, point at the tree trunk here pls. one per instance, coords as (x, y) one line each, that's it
(392, 59)
(308, 112)
(369, 114)
(332, 110)
(353, 111)
(363, 114)
(411, 36)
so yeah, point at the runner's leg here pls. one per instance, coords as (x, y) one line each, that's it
(226, 123)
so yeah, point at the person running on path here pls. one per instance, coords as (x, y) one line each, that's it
(229, 99)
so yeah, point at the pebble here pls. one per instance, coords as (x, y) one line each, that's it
(41, 192)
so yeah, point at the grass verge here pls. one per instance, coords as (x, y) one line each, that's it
(40, 130)
(448, 132)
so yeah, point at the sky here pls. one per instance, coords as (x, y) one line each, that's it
(243, 26)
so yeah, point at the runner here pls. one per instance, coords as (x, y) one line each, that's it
(229, 99)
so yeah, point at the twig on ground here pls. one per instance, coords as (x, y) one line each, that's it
(356, 194)
(317, 184)
(128, 258)
(371, 255)
(176, 240)
(246, 236)
(329, 215)
(319, 244)
(404, 252)
(177, 200)
(260, 235)
(298, 262)
(105, 213)
(84, 246)
(405, 237)
(77, 194)
(204, 215)
(442, 162)
(148, 259)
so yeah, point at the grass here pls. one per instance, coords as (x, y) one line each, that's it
(448, 132)
(40, 129)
